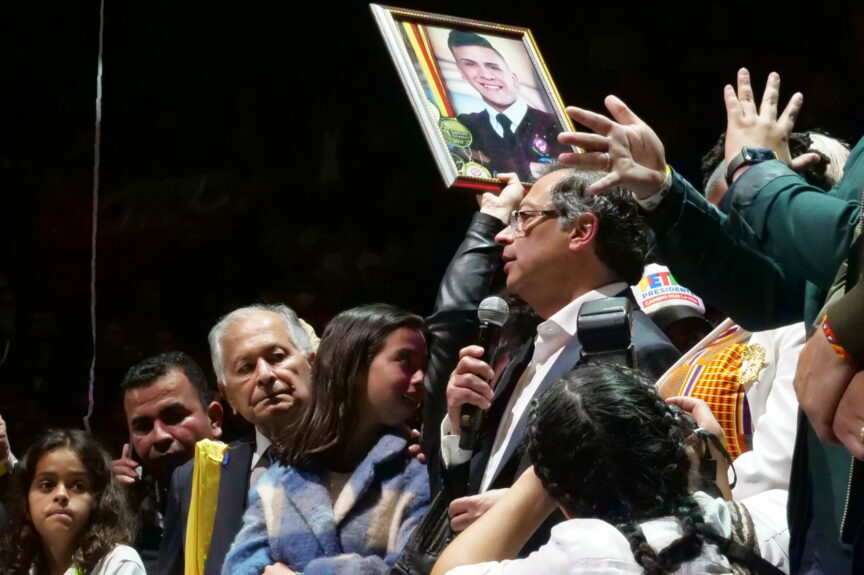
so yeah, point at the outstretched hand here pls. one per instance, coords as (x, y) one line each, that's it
(626, 147)
(747, 125)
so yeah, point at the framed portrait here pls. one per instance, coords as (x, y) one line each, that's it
(482, 93)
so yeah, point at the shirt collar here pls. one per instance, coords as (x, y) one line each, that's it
(262, 442)
(553, 333)
(515, 112)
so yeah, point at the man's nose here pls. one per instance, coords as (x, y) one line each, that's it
(486, 73)
(505, 236)
(264, 375)
(162, 439)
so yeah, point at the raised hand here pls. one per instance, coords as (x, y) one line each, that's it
(124, 468)
(625, 146)
(747, 125)
(501, 204)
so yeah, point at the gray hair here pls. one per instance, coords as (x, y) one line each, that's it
(623, 240)
(835, 150)
(296, 330)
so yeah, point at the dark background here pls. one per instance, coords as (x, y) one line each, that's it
(254, 153)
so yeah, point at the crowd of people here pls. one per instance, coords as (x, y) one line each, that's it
(721, 435)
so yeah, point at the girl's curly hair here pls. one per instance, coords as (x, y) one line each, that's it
(111, 521)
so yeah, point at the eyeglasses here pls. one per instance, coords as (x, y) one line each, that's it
(519, 217)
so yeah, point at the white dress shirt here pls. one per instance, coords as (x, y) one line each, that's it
(515, 112)
(262, 444)
(552, 335)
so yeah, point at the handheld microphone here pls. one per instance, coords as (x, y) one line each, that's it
(492, 313)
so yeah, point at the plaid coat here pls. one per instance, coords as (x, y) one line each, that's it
(291, 518)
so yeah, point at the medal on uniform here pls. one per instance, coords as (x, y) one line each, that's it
(457, 161)
(475, 170)
(752, 362)
(540, 146)
(454, 132)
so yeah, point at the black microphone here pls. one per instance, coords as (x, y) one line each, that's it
(493, 313)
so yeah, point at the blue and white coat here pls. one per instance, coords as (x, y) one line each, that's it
(291, 518)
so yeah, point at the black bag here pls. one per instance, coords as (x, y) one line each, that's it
(428, 540)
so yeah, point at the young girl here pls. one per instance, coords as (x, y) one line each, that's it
(71, 517)
(347, 496)
(619, 462)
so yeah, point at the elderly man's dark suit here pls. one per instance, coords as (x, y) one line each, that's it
(770, 263)
(233, 492)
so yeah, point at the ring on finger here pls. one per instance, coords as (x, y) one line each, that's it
(861, 434)
(607, 162)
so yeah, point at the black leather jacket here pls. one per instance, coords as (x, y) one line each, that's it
(453, 324)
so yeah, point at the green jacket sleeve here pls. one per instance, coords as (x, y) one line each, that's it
(806, 231)
(716, 256)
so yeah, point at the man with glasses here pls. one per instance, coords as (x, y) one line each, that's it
(562, 248)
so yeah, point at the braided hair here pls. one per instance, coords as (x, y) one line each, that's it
(605, 445)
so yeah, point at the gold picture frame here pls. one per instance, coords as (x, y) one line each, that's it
(482, 93)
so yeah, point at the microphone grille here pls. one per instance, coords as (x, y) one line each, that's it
(493, 310)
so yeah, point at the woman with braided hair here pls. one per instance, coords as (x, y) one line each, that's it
(621, 464)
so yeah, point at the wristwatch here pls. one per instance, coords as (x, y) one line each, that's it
(748, 157)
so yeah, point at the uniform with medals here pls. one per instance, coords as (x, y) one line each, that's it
(528, 139)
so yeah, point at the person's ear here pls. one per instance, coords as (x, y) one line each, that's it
(223, 393)
(516, 81)
(584, 231)
(215, 413)
(311, 358)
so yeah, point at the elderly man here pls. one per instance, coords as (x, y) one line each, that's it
(561, 249)
(262, 357)
(169, 407)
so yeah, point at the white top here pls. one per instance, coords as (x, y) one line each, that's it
(515, 112)
(121, 560)
(262, 443)
(552, 335)
(594, 547)
(774, 413)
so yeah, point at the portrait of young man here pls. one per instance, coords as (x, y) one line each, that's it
(508, 133)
